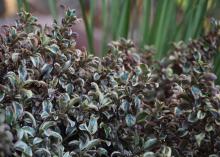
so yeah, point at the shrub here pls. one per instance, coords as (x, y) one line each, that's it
(56, 100)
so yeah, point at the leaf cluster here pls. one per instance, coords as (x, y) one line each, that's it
(57, 100)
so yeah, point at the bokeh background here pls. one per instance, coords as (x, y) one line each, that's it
(151, 24)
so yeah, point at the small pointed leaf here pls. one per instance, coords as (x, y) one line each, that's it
(130, 120)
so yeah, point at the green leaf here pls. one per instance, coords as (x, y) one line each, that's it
(13, 32)
(150, 143)
(20, 133)
(83, 127)
(74, 143)
(47, 108)
(53, 8)
(15, 57)
(45, 125)
(29, 130)
(71, 127)
(31, 117)
(37, 140)
(116, 154)
(160, 29)
(70, 12)
(42, 152)
(130, 120)
(169, 72)
(54, 134)
(20, 145)
(69, 88)
(54, 49)
(137, 102)
(46, 69)
(27, 93)
(182, 132)
(177, 111)
(196, 92)
(141, 117)
(22, 72)
(209, 127)
(199, 138)
(125, 105)
(12, 78)
(93, 125)
(166, 151)
(123, 27)
(44, 39)
(74, 101)
(105, 26)
(86, 105)
(24, 148)
(90, 144)
(28, 151)
(96, 76)
(201, 114)
(106, 128)
(197, 56)
(67, 154)
(95, 85)
(192, 117)
(102, 152)
(213, 155)
(124, 76)
(9, 118)
(2, 116)
(2, 95)
(149, 154)
(67, 65)
(18, 109)
(145, 22)
(35, 61)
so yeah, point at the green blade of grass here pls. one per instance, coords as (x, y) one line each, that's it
(20, 5)
(145, 22)
(26, 5)
(163, 26)
(92, 14)
(154, 27)
(23, 5)
(199, 17)
(104, 26)
(191, 21)
(87, 27)
(159, 22)
(115, 17)
(53, 8)
(187, 13)
(124, 20)
(169, 34)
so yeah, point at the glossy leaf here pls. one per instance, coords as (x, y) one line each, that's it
(2, 95)
(199, 138)
(93, 125)
(18, 109)
(150, 143)
(22, 72)
(130, 120)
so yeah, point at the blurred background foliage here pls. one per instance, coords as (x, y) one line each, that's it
(152, 24)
